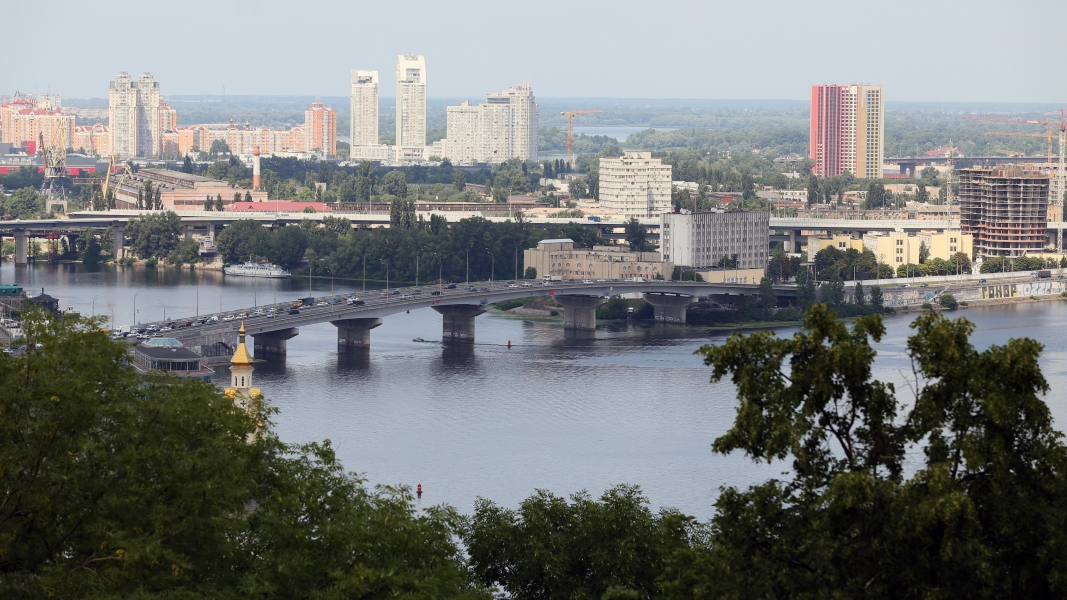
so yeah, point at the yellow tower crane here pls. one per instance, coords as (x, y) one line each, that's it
(1048, 155)
(570, 130)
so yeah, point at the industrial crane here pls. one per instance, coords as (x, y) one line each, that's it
(54, 158)
(1048, 155)
(127, 174)
(570, 129)
(1061, 173)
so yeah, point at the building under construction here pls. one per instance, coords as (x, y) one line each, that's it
(1005, 208)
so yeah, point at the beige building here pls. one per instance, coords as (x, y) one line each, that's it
(94, 139)
(502, 128)
(841, 242)
(26, 120)
(717, 275)
(363, 124)
(898, 248)
(179, 191)
(410, 107)
(560, 258)
(635, 184)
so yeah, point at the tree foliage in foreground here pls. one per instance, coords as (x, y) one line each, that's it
(979, 515)
(117, 486)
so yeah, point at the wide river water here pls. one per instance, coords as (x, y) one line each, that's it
(632, 406)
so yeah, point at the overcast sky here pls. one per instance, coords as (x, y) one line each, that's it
(964, 51)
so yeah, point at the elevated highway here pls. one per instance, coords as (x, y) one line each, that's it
(458, 308)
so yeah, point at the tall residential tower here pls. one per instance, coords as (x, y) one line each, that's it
(847, 130)
(410, 106)
(364, 120)
(503, 128)
(134, 116)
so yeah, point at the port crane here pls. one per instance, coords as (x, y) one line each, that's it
(570, 129)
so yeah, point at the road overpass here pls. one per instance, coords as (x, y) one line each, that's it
(208, 224)
(458, 308)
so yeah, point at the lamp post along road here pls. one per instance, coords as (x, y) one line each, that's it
(386, 263)
(492, 272)
(135, 306)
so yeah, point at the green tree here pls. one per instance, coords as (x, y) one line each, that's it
(577, 188)
(858, 297)
(219, 147)
(948, 301)
(805, 288)
(833, 291)
(611, 547)
(286, 246)
(636, 235)
(395, 183)
(961, 263)
(768, 300)
(924, 252)
(244, 240)
(90, 249)
(531, 273)
(460, 180)
(121, 485)
(942, 195)
(209, 204)
(187, 252)
(155, 235)
(877, 299)
(24, 204)
(187, 165)
(813, 189)
(236, 197)
(955, 491)
(219, 206)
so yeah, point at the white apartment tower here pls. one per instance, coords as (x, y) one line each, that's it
(134, 117)
(863, 130)
(410, 105)
(364, 123)
(502, 128)
(635, 184)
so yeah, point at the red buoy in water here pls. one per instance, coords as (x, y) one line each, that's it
(509, 344)
(419, 491)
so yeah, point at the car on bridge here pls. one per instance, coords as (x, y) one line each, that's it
(294, 310)
(450, 286)
(355, 302)
(435, 293)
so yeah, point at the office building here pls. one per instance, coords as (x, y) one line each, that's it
(363, 129)
(1005, 208)
(703, 239)
(410, 107)
(503, 128)
(561, 259)
(134, 116)
(847, 130)
(635, 184)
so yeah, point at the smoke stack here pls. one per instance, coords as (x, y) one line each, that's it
(255, 168)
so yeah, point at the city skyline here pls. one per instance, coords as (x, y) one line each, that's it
(753, 55)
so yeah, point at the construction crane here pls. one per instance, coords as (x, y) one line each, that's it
(1061, 172)
(1048, 155)
(127, 173)
(570, 129)
(1010, 152)
(54, 158)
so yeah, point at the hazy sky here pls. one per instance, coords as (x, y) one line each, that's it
(948, 50)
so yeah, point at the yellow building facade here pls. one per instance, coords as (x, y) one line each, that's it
(898, 248)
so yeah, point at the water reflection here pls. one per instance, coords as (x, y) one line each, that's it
(351, 359)
(458, 359)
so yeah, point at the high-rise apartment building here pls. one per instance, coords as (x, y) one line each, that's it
(847, 130)
(363, 129)
(410, 106)
(27, 119)
(134, 119)
(635, 184)
(1005, 208)
(320, 126)
(502, 128)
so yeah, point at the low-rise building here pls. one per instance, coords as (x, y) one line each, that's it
(703, 239)
(719, 275)
(842, 242)
(898, 248)
(560, 258)
(180, 191)
(169, 356)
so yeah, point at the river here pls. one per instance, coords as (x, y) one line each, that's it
(632, 406)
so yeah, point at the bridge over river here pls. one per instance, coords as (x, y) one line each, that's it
(458, 308)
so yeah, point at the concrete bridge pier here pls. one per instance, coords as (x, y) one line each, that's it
(272, 343)
(793, 238)
(22, 247)
(354, 333)
(579, 312)
(118, 241)
(458, 322)
(669, 308)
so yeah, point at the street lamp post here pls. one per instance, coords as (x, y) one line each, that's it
(94, 305)
(492, 272)
(364, 272)
(468, 265)
(135, 306)
(440, 283)
(416, 267)
(386, 263)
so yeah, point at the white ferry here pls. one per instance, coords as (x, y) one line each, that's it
(251, 269)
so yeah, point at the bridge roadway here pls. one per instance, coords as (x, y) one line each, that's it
(207, 223)
(458, 308)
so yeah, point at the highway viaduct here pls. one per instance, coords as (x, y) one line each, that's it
(458, 308)
(207, 224)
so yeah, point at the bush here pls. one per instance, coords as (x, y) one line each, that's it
(553, 313)
(928, 306)
(151, 262)
(948, 301)
(513, 303)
